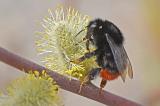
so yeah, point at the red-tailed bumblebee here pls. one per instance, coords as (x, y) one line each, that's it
(111, 56)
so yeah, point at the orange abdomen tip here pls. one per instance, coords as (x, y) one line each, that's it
(105, 74)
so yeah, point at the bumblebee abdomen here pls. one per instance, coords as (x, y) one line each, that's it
(107, 75)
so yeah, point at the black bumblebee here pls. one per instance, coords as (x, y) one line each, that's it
(110, 53)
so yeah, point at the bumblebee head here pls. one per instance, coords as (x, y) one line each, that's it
(95, 31)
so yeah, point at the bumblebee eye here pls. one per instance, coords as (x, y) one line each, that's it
(100, 27)
(92, 36)
(106, 34)
(93, 26)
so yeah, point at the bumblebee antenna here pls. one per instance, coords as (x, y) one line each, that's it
(81, 31)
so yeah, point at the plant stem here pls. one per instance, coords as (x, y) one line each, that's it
(90, 91)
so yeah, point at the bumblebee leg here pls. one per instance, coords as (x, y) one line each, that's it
(91, 75)
(87, 56)
(87, 46)
(85, 80)
(102, 85)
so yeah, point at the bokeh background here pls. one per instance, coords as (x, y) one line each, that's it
(139, 21)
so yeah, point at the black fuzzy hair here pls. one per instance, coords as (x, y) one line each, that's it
(114, 32)
(107, 27)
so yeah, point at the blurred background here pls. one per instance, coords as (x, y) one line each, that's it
(139, 20)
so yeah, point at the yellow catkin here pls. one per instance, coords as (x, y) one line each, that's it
(58, 45)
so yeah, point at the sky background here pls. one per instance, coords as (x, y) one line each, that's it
(139, 21)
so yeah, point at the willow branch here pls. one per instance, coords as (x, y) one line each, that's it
(90, 91)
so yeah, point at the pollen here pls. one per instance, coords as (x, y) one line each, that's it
(107, 75)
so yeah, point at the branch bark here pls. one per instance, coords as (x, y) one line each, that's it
(90, 91)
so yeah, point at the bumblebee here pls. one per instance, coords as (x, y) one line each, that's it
(111, 56)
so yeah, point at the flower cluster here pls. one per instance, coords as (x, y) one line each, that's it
(58, 45)
(31, 90)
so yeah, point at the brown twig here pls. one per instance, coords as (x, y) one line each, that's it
(89, 91)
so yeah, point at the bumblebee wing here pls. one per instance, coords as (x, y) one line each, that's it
(121, 58)
(129, 66)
